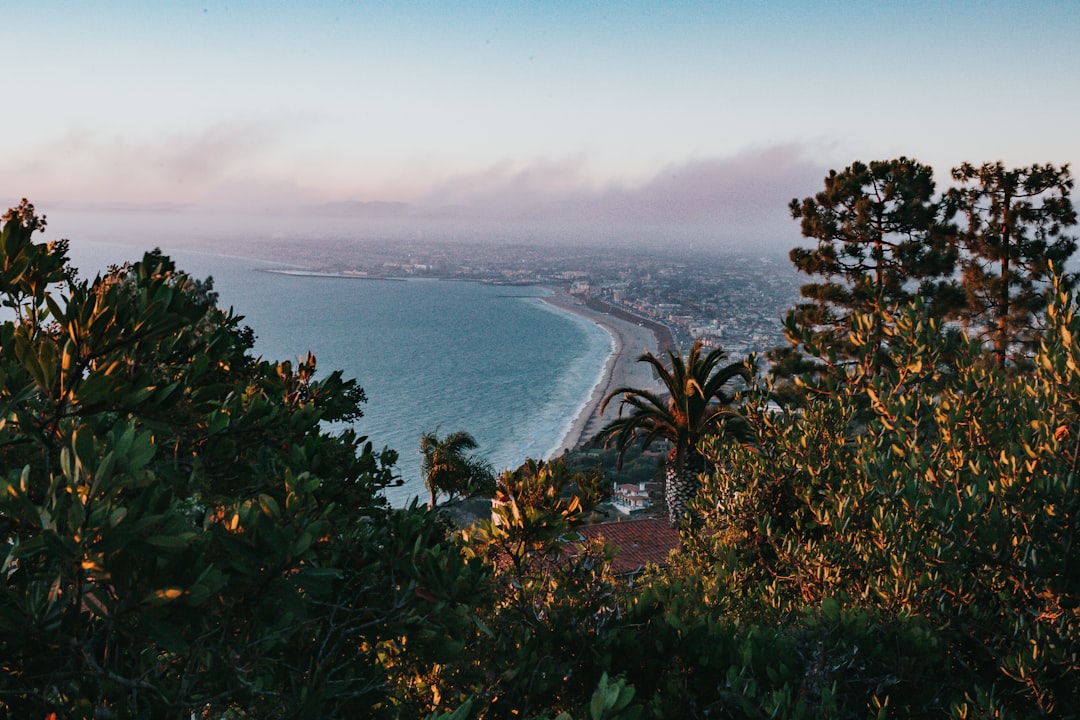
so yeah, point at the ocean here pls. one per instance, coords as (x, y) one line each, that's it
(495, 361)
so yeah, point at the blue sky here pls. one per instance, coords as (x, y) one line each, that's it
(714, 111)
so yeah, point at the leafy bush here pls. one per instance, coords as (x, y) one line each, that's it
(177, 534)
(940, 493)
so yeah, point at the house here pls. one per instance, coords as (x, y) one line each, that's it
(628, 498)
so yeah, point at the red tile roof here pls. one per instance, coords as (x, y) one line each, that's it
(637, 542)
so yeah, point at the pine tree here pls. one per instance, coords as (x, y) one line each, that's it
(1014, 235)
(881, 242)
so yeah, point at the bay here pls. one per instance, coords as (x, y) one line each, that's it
(495, 361)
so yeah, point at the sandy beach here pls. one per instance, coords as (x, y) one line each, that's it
(621, 368)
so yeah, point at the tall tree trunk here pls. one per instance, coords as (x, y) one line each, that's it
(681, 484)
(1001, 342)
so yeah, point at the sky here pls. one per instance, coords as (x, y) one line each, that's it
(702, 119)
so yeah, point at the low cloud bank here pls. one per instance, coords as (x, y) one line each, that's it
(707, 202)
(719, 201)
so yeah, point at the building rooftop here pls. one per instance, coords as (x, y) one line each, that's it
(637, 543)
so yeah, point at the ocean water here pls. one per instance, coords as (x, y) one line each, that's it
(495, 361)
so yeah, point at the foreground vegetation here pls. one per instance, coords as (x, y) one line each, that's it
(181, 538)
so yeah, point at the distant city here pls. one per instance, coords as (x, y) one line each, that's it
(733, 300)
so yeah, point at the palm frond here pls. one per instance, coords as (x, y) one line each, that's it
(714, 387)
(695, 404)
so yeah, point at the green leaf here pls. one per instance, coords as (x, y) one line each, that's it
(170, 542)
(219, 421)
(94, 389)
(142, 451)
(596, 704)
(269, 506)
(483, 628)
(302, 543)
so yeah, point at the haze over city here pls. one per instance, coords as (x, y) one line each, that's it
(688, 121)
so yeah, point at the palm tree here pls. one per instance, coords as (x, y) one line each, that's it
(448, 468)
(695, 406)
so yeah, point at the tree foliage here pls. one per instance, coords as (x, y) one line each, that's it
(554, 597)
(697, 403)
(884, 238)
(881, 241)
(947, 508)
(177, 534)
(450, 468)
(181, 538)
(1016, 219)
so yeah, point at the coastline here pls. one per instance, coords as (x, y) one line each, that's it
(316, 274)
(621, 368)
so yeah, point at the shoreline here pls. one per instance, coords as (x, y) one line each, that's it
(336, 275)
(621, 369)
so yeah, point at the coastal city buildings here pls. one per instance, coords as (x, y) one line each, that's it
(733, 300)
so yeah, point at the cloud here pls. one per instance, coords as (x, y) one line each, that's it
(229, 169)
(507, 188)
(727, 198)
(750, 188)
(87, 167)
